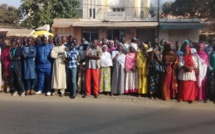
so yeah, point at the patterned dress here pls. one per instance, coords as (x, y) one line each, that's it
(153, 77)
(105, 72)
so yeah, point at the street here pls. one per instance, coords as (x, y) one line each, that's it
(105, 115)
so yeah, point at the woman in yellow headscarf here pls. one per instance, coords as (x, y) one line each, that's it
(142, 66)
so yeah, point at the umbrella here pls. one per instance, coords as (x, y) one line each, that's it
(41, 33)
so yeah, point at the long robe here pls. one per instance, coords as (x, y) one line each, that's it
(203, 61)
(105, 72)
(187, 83)
(29, 53)
(5, 60)
(169, 80)
(59, 68)
(142, 73)
(153, 76)
(131, 77)
(118, 75)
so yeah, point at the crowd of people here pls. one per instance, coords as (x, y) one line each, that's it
(183, 71)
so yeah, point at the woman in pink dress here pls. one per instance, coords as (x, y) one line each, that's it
(203, 62)
(131, 77)
(5, 64)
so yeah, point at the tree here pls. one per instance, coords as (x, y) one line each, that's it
(9, 15)
(193, 8)
(167, 7)
(40, 12)
(153, 10)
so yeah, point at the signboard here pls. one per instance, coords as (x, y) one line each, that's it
(115, 15)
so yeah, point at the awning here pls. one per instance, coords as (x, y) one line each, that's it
(181, 26)
(114, 24)
(18, 32)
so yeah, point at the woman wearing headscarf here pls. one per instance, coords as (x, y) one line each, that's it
(155, 58)
(202, 72)
(5, 64)
(131, 78)
(111, 46)
(59, 67)
(105, 72)
(142, 66)
(118, 75)
(187, 77)
(169, 80)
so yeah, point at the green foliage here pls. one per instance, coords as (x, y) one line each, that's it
(8, 15)
(40, 12)
(167, 7)
(153, 10)
(192, 8)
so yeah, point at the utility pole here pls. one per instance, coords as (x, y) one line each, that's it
(158, 17)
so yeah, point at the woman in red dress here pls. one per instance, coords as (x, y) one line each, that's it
(187, 76)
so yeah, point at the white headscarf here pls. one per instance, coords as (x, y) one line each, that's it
(134, 45)
(106, 60)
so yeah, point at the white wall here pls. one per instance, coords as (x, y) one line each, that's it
(132, 7)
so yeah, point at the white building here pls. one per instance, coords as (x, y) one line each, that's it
(114, 19)
(107, 9)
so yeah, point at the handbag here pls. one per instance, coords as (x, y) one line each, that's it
(158, 67)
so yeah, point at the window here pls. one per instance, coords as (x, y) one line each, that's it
(118, 9)
(90, 34)
(115, 34)
(90, 12)
(94, 13)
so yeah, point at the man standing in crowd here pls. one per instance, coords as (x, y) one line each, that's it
(15, 69)
(29, 71)
(72, 57)
(44, 66)
(82, 66)
(93, 56)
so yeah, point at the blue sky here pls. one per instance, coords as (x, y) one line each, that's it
(16, 3)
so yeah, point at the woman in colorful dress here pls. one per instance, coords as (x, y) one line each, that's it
(202, 66)
(5, 64)
(142, 66)
(29, 54)
(169, 80)
(105, 73)
(59, 67)
(155, 58)
(131, 77)
(118, 75)
(187, 77)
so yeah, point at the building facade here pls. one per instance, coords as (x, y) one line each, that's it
(104, 9)
(114, 19)
(109, 19)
